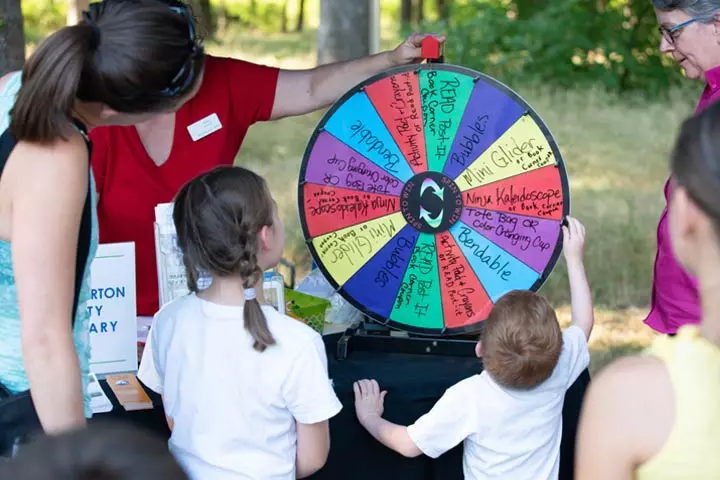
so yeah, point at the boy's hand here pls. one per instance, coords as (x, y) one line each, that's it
(369, 400)
(573, 239)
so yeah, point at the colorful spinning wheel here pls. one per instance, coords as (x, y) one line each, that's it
(429, 191)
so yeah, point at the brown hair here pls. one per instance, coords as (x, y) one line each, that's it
(521, 340)
(134, 56)
(695, 161)
(100, 451)
(218, 216)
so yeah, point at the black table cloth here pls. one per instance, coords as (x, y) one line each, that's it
(414, 383)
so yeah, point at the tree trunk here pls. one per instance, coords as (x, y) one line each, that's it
(374, 25)
(204, 13)
(406, 13)
(283, 17)
(420, 12)
(75, 9)
(443, 10)
(12, 37)
(344, 32)
(301, 16)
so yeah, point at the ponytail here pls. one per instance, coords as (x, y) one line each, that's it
(255, 321)
(50, 82)
(190, 275)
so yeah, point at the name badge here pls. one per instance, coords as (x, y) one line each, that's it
(203, 128)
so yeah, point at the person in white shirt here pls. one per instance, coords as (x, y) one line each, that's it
(245, 388)
(509, 417)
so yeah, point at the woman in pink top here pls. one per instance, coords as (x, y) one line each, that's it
(691, 34)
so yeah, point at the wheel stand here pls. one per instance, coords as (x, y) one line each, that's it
(371, 337)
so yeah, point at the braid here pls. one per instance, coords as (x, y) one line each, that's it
(252, 275)
(218, 217)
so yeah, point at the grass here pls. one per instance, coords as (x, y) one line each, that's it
(615, 151)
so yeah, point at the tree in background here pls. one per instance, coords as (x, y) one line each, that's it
(415, 11)
(203, 11)
(12, 36)
(75, 9)
(562, 43)
(301, 16)
(344, 32)
(443, 8)
(550, 43)
(406, 8)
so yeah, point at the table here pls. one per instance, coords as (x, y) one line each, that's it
(414, 383)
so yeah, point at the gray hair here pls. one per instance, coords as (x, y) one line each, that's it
(705, 9)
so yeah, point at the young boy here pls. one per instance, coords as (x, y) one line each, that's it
(510, 416)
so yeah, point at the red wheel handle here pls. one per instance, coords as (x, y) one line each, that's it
(431, 49)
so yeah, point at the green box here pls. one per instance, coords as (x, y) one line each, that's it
(307, 308)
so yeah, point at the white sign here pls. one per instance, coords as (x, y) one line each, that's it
(112, 308)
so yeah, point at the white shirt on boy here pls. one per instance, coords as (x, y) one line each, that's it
(506, 434)
(234, 408)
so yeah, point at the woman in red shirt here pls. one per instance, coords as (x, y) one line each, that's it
(140, 166)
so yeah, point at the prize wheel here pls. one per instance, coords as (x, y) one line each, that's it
(429, 191)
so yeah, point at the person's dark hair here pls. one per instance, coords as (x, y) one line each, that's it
(695, 161)
(100, 451)
(703, 9)
(134, 56)
(521, 340)
(218, 216)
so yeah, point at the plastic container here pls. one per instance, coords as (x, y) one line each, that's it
(306, 308)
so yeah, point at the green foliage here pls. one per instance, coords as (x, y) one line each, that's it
(42, 17)
(266, 16)
(561, 43)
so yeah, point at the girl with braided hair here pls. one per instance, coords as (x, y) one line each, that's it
(245, 388)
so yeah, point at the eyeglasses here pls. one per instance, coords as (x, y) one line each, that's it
(669, 33)
(186, 76)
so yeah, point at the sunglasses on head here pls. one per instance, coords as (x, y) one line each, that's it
(187, 73)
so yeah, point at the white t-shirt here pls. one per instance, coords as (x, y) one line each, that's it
(507, 434)
(234, 409)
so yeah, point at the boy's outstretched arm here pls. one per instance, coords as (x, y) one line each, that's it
(369, 401)
(580, 296)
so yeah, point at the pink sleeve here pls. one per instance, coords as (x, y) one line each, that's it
(674, 300)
